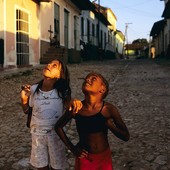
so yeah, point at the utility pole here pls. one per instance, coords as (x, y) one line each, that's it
(125, 37)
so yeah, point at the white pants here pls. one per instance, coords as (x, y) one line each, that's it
(48, 150)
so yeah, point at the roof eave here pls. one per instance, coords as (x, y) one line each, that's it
(83, 4)
(166, 12)
(157, 27)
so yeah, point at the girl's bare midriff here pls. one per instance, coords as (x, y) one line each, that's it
(94, 142)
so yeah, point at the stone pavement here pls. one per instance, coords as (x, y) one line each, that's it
(139, 88)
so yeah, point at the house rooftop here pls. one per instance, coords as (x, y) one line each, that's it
(166, 12)
(157, 27)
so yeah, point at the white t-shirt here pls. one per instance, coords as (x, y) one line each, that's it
(47, 108)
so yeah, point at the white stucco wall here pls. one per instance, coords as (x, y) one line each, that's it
(47, 19)
(119, 44)
(2, 19)
(93, 40)
(112, 19)
(10, 30)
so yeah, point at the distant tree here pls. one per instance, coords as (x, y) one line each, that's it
(140, 41)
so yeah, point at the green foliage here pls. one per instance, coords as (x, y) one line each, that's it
(140, 41)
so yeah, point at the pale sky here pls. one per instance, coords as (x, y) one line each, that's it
(142, 14)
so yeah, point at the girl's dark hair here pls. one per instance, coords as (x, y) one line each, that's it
(62, 85)
(64, 72)
(105, 82)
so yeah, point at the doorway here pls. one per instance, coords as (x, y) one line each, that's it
(66, 27)
(57, 22)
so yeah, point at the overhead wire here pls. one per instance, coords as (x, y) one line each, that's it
(137, 11)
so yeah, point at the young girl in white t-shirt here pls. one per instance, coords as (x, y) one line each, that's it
(47, 100)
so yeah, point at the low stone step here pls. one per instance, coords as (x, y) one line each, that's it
(52, 54)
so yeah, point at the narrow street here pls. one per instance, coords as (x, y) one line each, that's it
(139, 88)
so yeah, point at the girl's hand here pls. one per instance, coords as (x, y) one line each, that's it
(25, 93)
(75, 105)
(79, 152)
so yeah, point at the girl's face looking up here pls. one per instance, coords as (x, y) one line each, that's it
(53, 70)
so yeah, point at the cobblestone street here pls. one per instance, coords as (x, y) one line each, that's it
(139, 88)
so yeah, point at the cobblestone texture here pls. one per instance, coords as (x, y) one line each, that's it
(139, 88)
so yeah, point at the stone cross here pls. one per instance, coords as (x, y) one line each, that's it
(50, 31)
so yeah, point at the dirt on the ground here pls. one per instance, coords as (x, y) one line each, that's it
(139, 88)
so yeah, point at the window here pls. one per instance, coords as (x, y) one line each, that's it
(57, 21)
(82, 26)
(22, 37)
(66, 27)
(93, 30)
(76, 38)
(88, 30)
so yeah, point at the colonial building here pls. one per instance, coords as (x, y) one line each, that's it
(94, 31)
(160, 33)
(119, 43)
(34, 32)
(110, 46)
(98, 32)
(28, 26)
(60, 19)
(157, 34)
(166, 15)
(19, 33)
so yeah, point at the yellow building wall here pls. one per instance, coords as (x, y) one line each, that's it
(29, 7)
(111, 18)
(1, 19)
